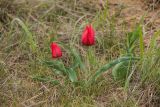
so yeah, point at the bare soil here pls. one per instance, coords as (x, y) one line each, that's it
(131, 12)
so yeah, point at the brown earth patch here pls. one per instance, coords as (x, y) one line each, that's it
(130, 12)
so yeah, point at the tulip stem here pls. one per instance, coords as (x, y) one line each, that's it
(91, 60)
(91, 56)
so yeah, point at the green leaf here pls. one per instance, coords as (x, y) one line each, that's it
(72, 75)
(52, 39)
(106, 67)
(77, 59)
(133, 37)
(45, 79)
(121, 70)
(56, 66)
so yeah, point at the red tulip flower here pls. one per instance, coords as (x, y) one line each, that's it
(56, 50)
(88, 36)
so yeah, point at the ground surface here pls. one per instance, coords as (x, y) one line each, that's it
(17, 89)
(134, 10)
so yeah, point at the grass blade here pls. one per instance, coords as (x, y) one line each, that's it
(141, 39)
(29, 38)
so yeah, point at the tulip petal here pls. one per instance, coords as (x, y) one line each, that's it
(56, 50)
(88, 36)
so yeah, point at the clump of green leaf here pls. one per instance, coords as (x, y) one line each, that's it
(122, 66)
(58, 67)
(122, 70)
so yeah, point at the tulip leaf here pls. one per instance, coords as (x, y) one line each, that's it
(121, 70)
(106, 67)
(72, 75)
(45, 79)
(56, 66)
(77, 59)
(52, 39)
(133, 37)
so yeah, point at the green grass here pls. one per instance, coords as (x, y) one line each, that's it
(30, 77)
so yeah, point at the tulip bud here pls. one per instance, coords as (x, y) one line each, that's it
(88, 36)
(56, 50)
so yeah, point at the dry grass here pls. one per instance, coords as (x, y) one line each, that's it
(66, 19)
(152, 4)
